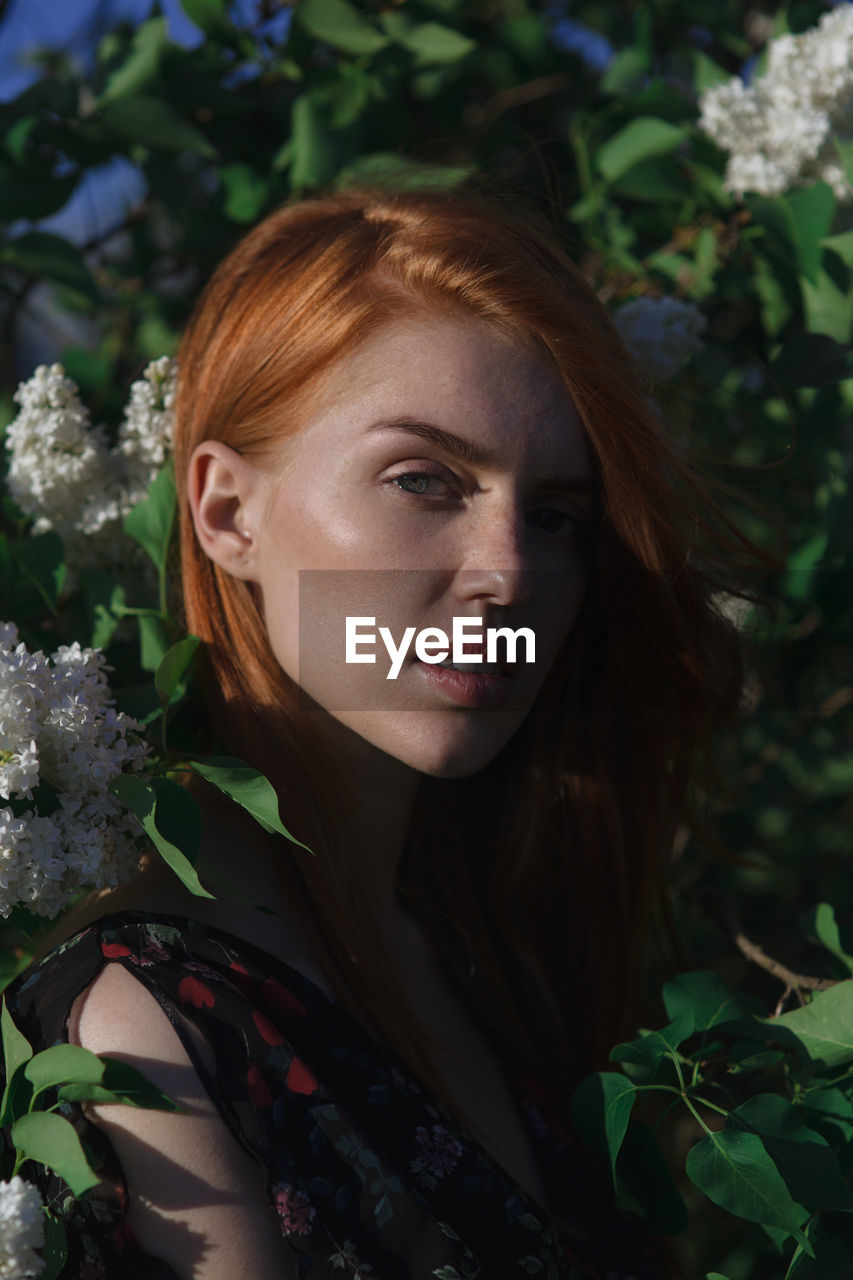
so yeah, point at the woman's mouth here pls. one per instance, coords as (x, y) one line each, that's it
(470, 684)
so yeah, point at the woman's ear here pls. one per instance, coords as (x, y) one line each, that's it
(223, 490)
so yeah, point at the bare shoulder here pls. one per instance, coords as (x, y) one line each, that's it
(198, 1200)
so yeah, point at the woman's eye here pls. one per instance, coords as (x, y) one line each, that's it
(418, 482)
(552, 521)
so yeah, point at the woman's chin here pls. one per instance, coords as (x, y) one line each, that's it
(454, 757)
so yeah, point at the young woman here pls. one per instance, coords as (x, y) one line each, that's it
(403, 409)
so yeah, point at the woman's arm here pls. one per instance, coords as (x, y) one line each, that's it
(197, 1200)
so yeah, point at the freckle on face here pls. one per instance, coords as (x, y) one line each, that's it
(342, 538)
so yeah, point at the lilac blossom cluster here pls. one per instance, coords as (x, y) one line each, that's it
(660, 333)
(21, 1230)
(62, 472)
(61, 744)
(781, 129)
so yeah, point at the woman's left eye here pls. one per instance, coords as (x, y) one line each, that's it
(418, 482)
(552, 521)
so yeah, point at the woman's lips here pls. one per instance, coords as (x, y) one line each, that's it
(468, 688)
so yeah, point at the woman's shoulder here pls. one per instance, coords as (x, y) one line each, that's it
(198, 1199)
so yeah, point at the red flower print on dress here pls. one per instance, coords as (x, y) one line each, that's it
(266, 1028)
(439, 1151)
(193, 991)
(259, 1091)
(242, 980)
(295, 1211)
(300, 1078)
(114, 950)
(279, 1000)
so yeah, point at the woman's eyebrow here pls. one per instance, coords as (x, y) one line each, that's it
(456, 446)
(474, 454)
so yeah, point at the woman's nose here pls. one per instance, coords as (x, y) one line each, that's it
(497, 565)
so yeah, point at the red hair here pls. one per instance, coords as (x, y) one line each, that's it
(546, 868)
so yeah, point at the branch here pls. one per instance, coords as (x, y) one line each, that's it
(796, 982)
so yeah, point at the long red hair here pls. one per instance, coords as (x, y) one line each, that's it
(540, 874)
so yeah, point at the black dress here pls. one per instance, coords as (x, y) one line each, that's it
(370, 1175)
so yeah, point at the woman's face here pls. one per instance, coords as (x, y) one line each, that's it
(443, 473)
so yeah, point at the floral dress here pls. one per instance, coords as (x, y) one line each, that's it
(369, 1174)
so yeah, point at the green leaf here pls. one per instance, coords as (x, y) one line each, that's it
(432, 42)
(653, 181)
(171, 819)
(706, 72)
(155, 123)
(811, 360)
(828, 305)
(249, 788)
(644, 1183)
(340, 25)
(822, 924)
(831, 1112)
(123, 1084)
(313, 156)
(210, 16)
(776, 301)
(169, 679)
(653, 1046)
(142, 63)
(155, 641)
(245, 192)
(642, 139)
(54, 1252)
(842, 244)
(626, 72)
(16, 1052)
(803, 1156)
(104, 597)
(17, 1097)
(601, 1109)
(386, 168)
(63, 1064)
(51, 1140)
(735, 1171)
(746, 1055)
(813, 209)
(776, 216)
(151, 520)
(41, 559)
(831, 1256)
(708, 996)
(35, 198)
(17, 137)
(802, 564)
(823, 1027)
(16, 1047)
(43, 256)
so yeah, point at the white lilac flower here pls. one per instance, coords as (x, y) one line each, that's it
(21, 1230)
(780, 130)
(62, 473)
(660, 333)
(58, 726)
(145, 436)
(19, 771)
